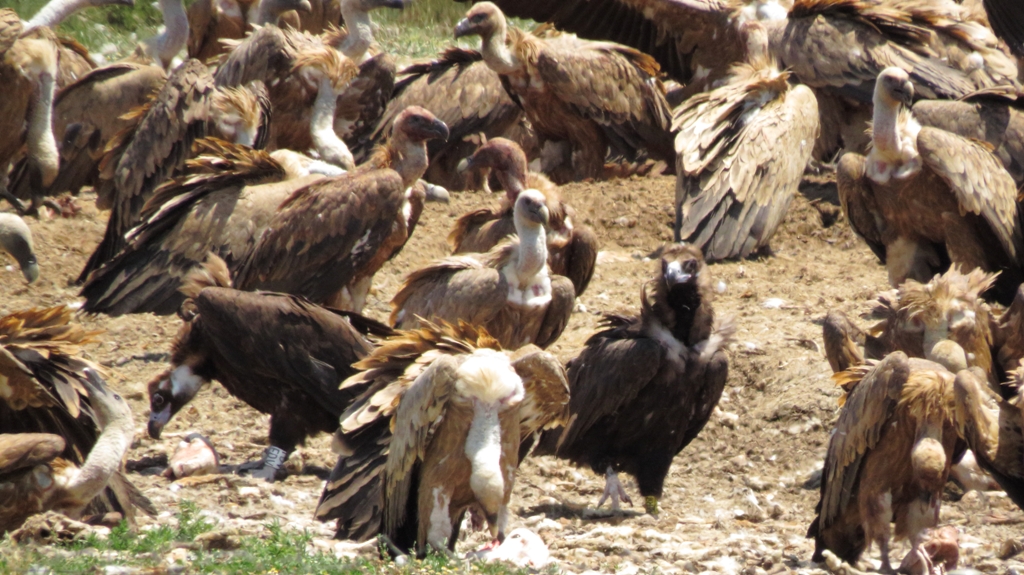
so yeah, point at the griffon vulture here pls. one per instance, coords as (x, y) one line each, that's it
(642, 389)
(591, 95)
(269, 54)
(993, 427)
(327, 241)
(1008, 338)
(436, 434)
(289, 363)
(741, 150)
(158, 142)
(572, 247)
(924, 197)
(888, 459)
(16, 240)
(992, 118)
(916, 319)
(212, 21)
(63, 432)
(464, 93)
(509, 291)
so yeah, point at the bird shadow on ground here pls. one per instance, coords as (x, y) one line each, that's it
(568, 510)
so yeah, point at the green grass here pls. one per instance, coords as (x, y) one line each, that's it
(276, 551)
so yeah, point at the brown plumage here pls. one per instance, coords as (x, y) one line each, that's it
(741, 150)
(1007, 19)
(327, 241)
(221, 203)
(464, 93)
(269, 54)
(509, 290)
(992, 118)
(212, 21)
(643, 388)
(63, 432)
(924, 197)
(917, 318)
(1008, 338)
(436, 434)
(288, 366)
(159, 139)
(593, 96)
(993, 427)
(572, 247)
(887, 460)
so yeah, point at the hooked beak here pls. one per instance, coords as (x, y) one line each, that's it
(305, 7)
(463, 28)
(94, 382)
(438, 130)
(31, 271)
(906, 94)
(157, 421)
(465, 164)
(675, 274)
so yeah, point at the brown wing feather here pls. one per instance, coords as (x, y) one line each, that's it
(858, 202)
(546, 400)
(452, 289)
(978, 180)
(563, 300)
(22, 450)
(364, 101)
(10, 29)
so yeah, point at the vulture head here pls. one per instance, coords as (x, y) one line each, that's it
(681, 295)
(507, 160)
(484, 19)
(419, 125)
(111, 410)
(531, 210)
(176, 387)
(238, 114)
(16, 239)
(893, 128)
(406, 151)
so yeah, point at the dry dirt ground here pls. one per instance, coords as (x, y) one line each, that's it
(734, 501)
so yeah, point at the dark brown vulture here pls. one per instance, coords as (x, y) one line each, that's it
(280, 354)
(1008, 338)
(269, 54)
(16, 240)
(28, 71)
(221, 202)
(642, 389)
(509, 290)
(464, 93)
(588, 95)
(887, 461)
(437, 434)
(741, 150)
(924, 197)
(159, 140)
(1007, 19)
(992, 118)
(211, 21)
(915, 319)
(993, 427)
(63, 432)
(327, 241)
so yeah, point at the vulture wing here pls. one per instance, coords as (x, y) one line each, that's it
(353, 494)
(563, 299)
(148, 153)
(420, 409)
(324, 235)
(613, 85)
(858, 201)
(979, 181)
(867, 411)
(737, 177)
(265, 54)
(994, 430)
(10, 29)
(482, 229)
(546, 401)
(364, 100)
(1007, 19)
(23, 450)
(452, 289)
(606, 375)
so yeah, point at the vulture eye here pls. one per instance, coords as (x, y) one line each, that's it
(158, 400)
(477, 18)
(690, 266)
(117, 397)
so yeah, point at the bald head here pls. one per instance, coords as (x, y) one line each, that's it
(893, 87)
(483, 19)
(16, 240)
(419, 125)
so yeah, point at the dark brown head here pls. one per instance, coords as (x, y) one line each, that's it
(680, 299)
(681, 265)
(483, 19)
(507, 160)
(419, 125)
(175, 388)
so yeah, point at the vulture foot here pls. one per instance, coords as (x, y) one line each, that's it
(613, 489)
(917, 562)
(18, 206)
(651, 504)
(270, 467)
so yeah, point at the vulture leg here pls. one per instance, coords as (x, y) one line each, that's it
(843, 342)
(877, 514)
(287, 429)
(613, 488)
(650, 478)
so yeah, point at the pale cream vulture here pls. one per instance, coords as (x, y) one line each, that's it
(593, 97)
(993, 118)
(888, 459)
(63, 432)
(924, 198)
(158, 141)
(509, 290)
(644, 387)
(572, 247)
(269, 54)
(917, 318)
(16, 241)
(436, 435)
(741, 150)
(464, 93)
